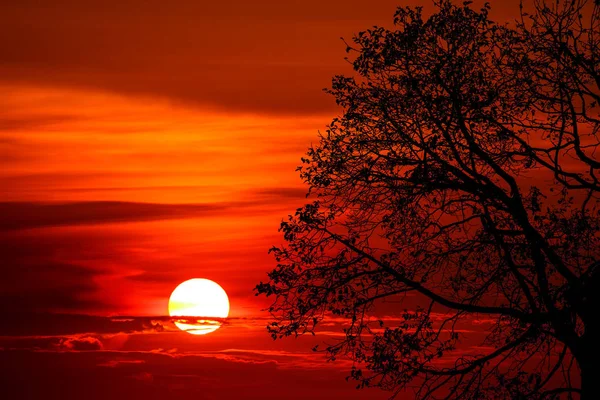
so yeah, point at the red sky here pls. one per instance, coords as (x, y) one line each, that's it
(144, 143)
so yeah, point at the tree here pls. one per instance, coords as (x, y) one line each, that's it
(461, 182)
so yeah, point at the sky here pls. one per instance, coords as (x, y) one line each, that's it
(144, 143)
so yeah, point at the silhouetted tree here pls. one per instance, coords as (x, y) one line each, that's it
(462, 183)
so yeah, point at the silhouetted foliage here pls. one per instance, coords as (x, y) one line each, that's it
(461, 183)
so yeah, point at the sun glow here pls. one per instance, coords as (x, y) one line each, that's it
(202, 303)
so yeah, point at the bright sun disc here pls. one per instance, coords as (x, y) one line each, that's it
(201, 299)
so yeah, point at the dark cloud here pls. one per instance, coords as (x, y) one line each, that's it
(17, 215)
(31, 324)
(27, 215)
(155, 375)
(29, 285)
(86, 343)
(39, 273)
(283, 192)
(238, 361)
(265, 56)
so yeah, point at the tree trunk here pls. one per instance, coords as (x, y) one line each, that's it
(590, 382)
(589, 364)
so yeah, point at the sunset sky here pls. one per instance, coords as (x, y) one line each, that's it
(144, 143)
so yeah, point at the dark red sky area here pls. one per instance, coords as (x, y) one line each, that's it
(144, 143)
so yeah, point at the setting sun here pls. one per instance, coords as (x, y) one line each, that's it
(200, 298)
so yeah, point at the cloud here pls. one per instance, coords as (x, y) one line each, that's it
(42, 273)
(301, 358)
(31, 285)
(143, 376)
(117, 362)
(27, 324)
(269, 57)
(85, 343)
(294, 193)
(86, 374)
(19, 215)
(28, 215)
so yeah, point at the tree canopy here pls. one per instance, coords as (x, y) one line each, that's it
(459, 184)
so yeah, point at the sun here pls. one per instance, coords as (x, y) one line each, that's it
(200, 300)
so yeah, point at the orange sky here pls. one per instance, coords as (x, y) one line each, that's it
(219, 182)
(143, 143)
